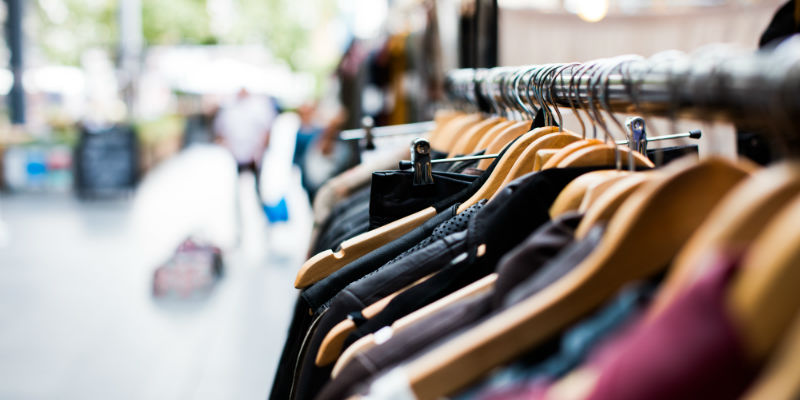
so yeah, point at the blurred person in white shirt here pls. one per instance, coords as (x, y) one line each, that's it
(243, 127)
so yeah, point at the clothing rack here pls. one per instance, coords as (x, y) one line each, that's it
(718, 83)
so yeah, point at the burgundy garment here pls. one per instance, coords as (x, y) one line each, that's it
(690, 351)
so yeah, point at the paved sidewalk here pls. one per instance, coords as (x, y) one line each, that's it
(76, 317)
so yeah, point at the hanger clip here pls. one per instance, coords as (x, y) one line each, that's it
(638, 135)
(368, 123)
(421, 161)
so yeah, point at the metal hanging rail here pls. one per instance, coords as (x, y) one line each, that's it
(758, 89)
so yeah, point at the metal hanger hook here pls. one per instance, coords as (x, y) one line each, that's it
(568, 94)
(596, 88)
(530, 91)
(527, 91)
(594, 84)
(557, 71)
(506, 93)
(518, 93)
(537, 90)
(595, 77)
(572, 93)
(497, 80)
(612, 66)
(588, 69)
(487, 88)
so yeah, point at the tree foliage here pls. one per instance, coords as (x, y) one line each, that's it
(63, 29)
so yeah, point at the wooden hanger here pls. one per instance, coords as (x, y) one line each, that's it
(780, 379)
(470, 138)
(502, 139)
(610, 201)
(640, 239)
(327, 262)
(763, 296)
(367, 342)
(570, 198)
(332, 344)
(485, 191)
(551, 139)
(442, 118)
(595, 191)
(542, 156)
(524, 163)
(603, 154)
(733, 225)
(435, 136)
(441, 129)
(504, 165)
(492, 133)
(567, 150)
(358, 347)
(450, 133)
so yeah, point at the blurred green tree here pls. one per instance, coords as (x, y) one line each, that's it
(176, 22)
(63, 29)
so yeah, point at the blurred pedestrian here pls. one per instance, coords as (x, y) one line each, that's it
(243, 127)
(310, 130)
(325, 156)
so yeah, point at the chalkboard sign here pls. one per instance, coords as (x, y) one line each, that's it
(106, 161)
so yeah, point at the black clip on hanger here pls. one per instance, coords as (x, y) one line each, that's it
(421, 161)
(368, 123)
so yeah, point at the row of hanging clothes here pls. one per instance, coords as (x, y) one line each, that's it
(507, 256)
